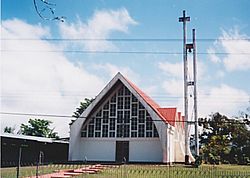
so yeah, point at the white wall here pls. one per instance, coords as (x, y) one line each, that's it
(171, 148)
(140, 150)
(149, 150)
(96, 150)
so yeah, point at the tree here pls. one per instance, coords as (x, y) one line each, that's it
(82, 107)
(47, 8)
(245, 115)
(225, 140)
(38, 127)
(9, 130)
(241, 138)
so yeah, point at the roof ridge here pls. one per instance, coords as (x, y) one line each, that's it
(157, 108)
(147, 99)
(167, 108)
(143, 94)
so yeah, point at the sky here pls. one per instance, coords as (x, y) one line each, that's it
(44, 71)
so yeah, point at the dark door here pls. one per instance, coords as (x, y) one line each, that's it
(122, 151)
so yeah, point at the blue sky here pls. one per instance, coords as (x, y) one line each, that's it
(55, 82)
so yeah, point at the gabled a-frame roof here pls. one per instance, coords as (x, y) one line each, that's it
(168, 115)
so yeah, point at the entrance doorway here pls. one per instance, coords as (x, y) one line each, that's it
(122, 151)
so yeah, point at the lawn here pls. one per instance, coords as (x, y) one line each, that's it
(142, 171)
(31, 170)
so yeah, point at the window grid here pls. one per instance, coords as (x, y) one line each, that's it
(91, 130)
(104, 130)
(134, 109)
(98, 123)
(121, 116)
(112, 110)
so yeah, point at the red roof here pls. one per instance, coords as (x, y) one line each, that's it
(148, 100)
(166, 114)
(169, 114)
(179, 116)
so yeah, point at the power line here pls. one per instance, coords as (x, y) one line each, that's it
(163, 97)
(64, 116)
(121, 52)
(158, 97)
(121, 39)
(32, 114)
(65, 93)
(211, 103)
(96, 52)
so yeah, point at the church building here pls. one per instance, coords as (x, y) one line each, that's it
(124, 124)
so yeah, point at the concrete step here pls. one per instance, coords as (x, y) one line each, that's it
(72, 173)
(60, 176)
(85, 171)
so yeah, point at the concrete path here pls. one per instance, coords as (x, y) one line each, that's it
(73, 172)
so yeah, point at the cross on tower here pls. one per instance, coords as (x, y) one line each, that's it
(189, 48)
(184, 18)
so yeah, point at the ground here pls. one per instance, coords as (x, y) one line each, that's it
(142, 171)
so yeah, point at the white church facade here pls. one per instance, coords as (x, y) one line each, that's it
(124, 124)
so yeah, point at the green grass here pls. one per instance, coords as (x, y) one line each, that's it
(142, 171)
(31, 170)
(137, 171)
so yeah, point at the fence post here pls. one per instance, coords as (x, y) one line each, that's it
(19, 161)
(39, 161)
(124, 165)
(85, 165)
(168, 171)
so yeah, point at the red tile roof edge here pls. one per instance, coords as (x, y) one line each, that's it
(160, 111)
(169, 115)
(150, 101)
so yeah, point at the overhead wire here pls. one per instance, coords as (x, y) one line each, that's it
(73, 95)
(67, 116)
(123, 39)
(121, 52)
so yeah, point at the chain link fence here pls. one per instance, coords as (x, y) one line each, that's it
(130, 171)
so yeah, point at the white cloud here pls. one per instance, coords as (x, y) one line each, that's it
(220, 74)
(171, 69)
(224, 99)
(112, 70)
(212, 56)
(40, 82)
(235, 44)
(12, 30)
(173, 87)
(173, 84)
(175, 70)
(172, 93)
(150, 91)
(100, 26)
